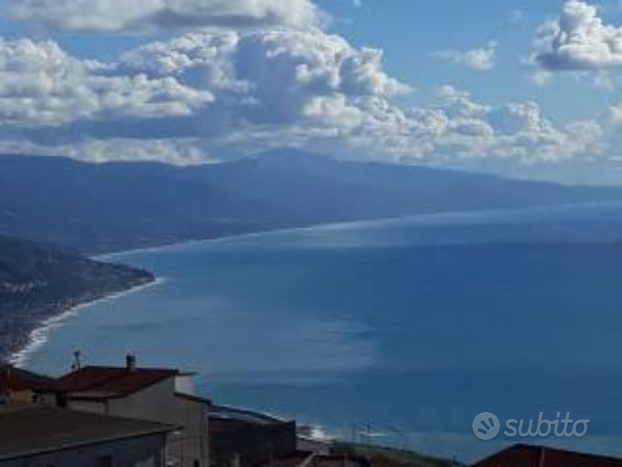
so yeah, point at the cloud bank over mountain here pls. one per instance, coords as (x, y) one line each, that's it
(259, 74)
(257, 89)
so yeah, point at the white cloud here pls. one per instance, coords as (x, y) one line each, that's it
(40, 85)
(480, 59)
(187, 98)
(276, 76)
(579, 40)
(258, 74)
(301, 88)
(616, 114)
(465, 128)
(517, 16)
(179, 151)
(140, 15)
(540, 77)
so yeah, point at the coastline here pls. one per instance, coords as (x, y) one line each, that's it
(200, 241)
(424, 218)
(111, 257)
(423, 438)
(38, 337)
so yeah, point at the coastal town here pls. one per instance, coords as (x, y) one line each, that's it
(131, 416)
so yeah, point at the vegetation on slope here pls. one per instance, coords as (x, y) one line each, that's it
(39, 281)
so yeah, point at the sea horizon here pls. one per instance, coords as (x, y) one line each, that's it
(450, 216)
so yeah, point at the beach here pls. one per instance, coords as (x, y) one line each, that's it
(39, 336)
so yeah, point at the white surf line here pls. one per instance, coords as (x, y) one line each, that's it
(442, 216)
(119, 255)
(111, 257)
(39, 336)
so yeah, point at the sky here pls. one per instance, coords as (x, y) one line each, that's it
(521, 88)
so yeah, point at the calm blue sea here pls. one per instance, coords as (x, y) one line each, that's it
(398, 331)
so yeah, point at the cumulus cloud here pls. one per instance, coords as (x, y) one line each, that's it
(202, 94)
(462, 128)
(137, 15)
(480, 59)
(616, 114)
(579, 40)
(270, 77)
(179, 151)
(207, 86)
(40, 85)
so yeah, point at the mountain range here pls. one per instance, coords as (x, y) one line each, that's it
(68, 209)
(96, 208)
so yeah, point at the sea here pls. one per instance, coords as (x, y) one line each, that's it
(396, 332)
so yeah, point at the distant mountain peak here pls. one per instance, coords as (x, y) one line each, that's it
(123, 205)
(291, 154)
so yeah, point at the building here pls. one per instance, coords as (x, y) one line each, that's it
(37, 436)
(247, 439)
(312, 459)
(158, 395)
(17, 385)
(538, 456)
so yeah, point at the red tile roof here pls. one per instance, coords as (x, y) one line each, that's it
(96, 382)
(16, 379)
(537, 456)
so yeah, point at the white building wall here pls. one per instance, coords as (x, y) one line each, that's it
(194, 417)
(154, 403)
(184, 384)
(158, 403)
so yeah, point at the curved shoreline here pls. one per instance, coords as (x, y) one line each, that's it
(38, 337)
(422, 219)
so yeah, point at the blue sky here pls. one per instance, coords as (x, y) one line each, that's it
(408, 31)
(525, 88)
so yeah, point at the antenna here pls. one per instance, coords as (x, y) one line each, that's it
(77, 363)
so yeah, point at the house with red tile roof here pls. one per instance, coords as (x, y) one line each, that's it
(523, 455)
(153, 394)
(17, 385)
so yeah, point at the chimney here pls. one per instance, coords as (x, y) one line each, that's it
(130, 363)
